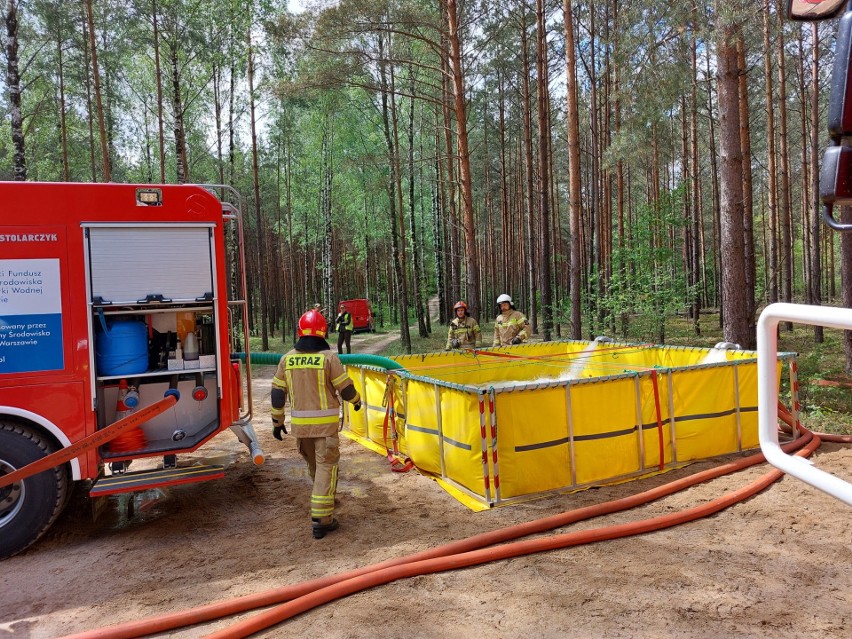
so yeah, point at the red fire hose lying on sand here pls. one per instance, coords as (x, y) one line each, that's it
(472, 551)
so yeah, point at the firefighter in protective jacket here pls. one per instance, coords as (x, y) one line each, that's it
(511, 326)
(311, 375)
(464, 330)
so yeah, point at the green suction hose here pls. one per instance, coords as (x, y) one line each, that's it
(357, 359)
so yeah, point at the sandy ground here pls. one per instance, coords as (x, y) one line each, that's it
(777, 565)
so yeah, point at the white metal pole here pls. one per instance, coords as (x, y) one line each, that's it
(767, 391)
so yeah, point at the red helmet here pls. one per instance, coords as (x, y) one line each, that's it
(459, 305)
(312, 324)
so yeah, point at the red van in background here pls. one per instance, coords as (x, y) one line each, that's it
(362, 314)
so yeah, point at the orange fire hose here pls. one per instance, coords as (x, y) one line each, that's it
(94, 440)
(305, 595)
(346, 587)
(787, 417)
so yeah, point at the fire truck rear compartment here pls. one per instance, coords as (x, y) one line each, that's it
(181, 428)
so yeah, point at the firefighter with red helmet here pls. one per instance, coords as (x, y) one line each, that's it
(311, 376)
(464, 330)
(511, 326)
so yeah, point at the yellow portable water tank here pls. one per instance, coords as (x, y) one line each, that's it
(505, 424)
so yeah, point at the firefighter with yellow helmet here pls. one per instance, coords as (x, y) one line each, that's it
(464, 330)
(311, 376)
(511, 326)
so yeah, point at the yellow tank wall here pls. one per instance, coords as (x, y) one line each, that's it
(462, 440)
(422, 437)
(562, 434)
(532, 450)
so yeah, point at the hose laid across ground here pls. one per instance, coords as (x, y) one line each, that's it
(787, 417)
(464, 552)
(346, 587)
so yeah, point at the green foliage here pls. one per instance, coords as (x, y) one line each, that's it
(825, 407)
(647, 280)
(433, 343)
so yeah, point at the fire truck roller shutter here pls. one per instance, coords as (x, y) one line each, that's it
(129, 263)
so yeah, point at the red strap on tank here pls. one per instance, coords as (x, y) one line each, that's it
(608, 349)
(397, 465)
(659, 419)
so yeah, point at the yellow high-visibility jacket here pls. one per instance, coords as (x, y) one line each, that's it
(344, 321)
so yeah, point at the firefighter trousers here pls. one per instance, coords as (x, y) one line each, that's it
(344, 339)
(321, 455)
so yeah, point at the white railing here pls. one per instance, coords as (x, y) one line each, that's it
(767, 391)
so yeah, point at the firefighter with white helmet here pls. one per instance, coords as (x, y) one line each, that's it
(311, 376)
(511, 326)
(464, 330)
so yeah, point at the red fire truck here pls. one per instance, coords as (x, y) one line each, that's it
(113, 296)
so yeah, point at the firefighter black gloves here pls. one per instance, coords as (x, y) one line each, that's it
(455, 343)
(277, 429)
(517, 340)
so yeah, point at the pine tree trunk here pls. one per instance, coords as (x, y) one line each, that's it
(686, 232)
(412, 223)
(714, 180)
(502, 255)
(786, 213)
(695, 222)
(89, 118)
(158, 71)
(438, 228)
(748, 206)
(471, 255)
(770, 160)
(13, 81)
(846, 281)
(328, 295)
(261, 271)
(107, 174)
(573, 167)
(449, 206)
(544, 244)
(298, 299)
(529, 213)
(735, 327)
(816, 226)
(806, 171)
(63, 126)
(596, 288)
(399, 270)
(180, 135)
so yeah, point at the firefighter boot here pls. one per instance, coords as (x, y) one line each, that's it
(320, 530)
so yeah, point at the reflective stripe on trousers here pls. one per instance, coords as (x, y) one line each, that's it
(322, 455)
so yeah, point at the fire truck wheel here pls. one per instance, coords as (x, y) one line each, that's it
(28, 507)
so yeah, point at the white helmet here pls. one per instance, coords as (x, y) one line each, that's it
(504, 298)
